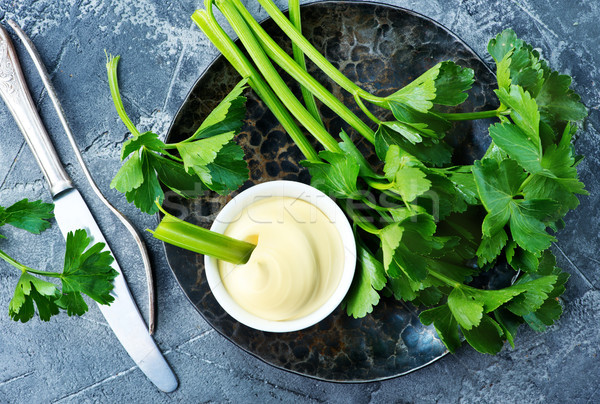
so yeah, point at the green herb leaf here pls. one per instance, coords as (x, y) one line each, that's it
(523, 111)
(520, 259)
(503, 71)
(413, 132)
(410, 182)
(525, 67)
(498, 185)
(407, 180)
(403, 287)
(526, 227)
(437, 154)
(229, 170)
(32, 216)
(557, 101)
(418, 94)
(390, 237)
(465, 308)
(550, 310)
(446, 196)
(145, 196)
(173, 175)
(509, 324)
(545, 316)
(486, 337)
(503, 44)
(86, 270)
(559, 163)
(404, 245)
(548, 188)
(534, 296)
(445, 324)
(146, 140)
(369, 278)
(451, 84)
(469, 304)
(337, 178)
(197, 155)
(428, 297)
(464, 182)
(30, 292)
(435, 124)
(518, 145)
(228, 116)
(348, 146)
(130, 176)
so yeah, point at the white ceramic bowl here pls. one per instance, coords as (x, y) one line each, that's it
(292, 189)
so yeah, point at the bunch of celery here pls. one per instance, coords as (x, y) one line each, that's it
(417, 249)
(440, 225)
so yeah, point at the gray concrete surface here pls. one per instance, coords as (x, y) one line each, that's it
(78, 360)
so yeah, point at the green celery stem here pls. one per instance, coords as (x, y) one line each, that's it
(378, 185)
(206, 22)
(12, 261)
(198, 239)
(527, 180)
(309, 99)
(313, 54)
(469, 116)
(111, 67)
(278, 55)
(357, 219)
(24, 268)
(445, 279)
(364, 109)
(276, 82)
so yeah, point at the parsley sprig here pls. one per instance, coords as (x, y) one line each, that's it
(86, 270)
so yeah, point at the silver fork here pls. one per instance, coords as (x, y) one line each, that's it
(33, 53)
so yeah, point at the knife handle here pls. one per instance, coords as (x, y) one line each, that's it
(14, 91)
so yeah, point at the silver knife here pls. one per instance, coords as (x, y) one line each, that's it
(72, 213)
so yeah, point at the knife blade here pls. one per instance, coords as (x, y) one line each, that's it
(71, 213)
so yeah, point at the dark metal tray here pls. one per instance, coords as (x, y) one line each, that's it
(381, 48)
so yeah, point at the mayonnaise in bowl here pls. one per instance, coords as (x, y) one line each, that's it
(296, 265)
(303, 263)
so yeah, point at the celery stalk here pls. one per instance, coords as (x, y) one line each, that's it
(267, 69)
(330, 70)
(307, 82)
(206, 22)
(309, 99)
(111, 66)
(309, 50)
(198, 239)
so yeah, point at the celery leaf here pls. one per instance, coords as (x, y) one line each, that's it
(368, 280)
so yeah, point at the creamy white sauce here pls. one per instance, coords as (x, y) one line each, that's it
(296, 266)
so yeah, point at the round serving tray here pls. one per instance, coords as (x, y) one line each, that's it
(381, 48)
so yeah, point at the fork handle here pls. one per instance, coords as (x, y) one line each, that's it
(14, 91)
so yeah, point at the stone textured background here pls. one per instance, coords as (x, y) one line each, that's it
(80, 360)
